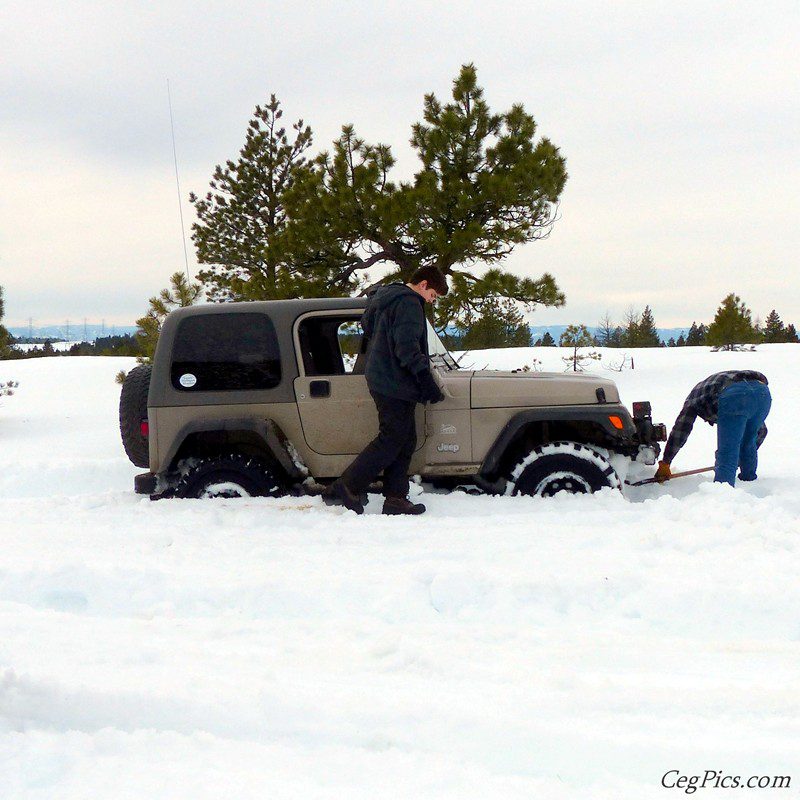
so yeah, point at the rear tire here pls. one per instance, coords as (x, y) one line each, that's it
(231, 475)
(132, 412)
(563, 467)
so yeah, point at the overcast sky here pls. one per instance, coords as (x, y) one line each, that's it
(680, 123)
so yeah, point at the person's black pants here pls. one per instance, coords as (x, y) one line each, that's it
(390, 451)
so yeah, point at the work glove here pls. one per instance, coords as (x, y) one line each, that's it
(428, 388)
(663, 473)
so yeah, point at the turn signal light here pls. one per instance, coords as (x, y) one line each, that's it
(616, 422)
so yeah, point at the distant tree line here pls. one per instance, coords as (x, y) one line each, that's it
(732, 325)
(125, 345)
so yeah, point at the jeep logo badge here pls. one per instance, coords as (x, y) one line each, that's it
(448, 448)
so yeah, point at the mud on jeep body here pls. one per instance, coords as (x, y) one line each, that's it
(270, 397)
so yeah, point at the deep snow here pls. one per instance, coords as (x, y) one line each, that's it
(497, 647)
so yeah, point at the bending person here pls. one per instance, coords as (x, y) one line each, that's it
(737, 402)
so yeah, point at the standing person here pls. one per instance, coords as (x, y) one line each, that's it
(738, 403)
(399, 376)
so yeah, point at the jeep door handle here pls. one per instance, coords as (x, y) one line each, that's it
(320, 389)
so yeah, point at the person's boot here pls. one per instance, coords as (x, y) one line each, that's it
(338, 492)
(402, 505)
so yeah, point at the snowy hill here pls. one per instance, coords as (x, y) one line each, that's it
(576, 647)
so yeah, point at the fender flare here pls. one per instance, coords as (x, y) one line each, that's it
(598, 415)
(270, 433)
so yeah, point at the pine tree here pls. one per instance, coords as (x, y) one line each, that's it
(630, 333)
(5, 336)
(680, 341)
(647, 333)
(500, 324)
(791, 334)
(181, 293)
(732, 324)
(605, 331)
(245, 231)
(696, 335)
(577, 337)
(671, 342)
(774, 330)
(547, 340)
(485, 186)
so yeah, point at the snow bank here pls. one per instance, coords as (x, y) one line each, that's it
(497, 647)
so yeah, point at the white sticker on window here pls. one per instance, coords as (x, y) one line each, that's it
(187, 380)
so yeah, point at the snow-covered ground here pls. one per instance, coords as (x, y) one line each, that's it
(576, 647)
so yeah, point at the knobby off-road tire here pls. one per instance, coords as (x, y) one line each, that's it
(563, 467)
(132, 410)
(230, 475)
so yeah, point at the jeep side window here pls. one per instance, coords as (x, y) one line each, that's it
(329, 345)
(225, 352)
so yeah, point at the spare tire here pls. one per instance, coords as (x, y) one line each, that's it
(132, 412)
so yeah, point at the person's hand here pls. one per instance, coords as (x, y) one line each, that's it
(663, 473)
(428, 388)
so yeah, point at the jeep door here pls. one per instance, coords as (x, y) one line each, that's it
(337, 413)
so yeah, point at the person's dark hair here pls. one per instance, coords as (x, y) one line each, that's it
(436, 280)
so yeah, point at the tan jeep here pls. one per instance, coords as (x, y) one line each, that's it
(266, 398)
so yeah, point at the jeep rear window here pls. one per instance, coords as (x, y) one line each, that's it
(225, 352)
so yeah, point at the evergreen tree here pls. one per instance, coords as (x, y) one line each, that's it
(245, 232)
(774, 330)
(547, 340)
(577, 337)
(732, 324)
(485, 186)
(605, 331)
(672, 342)
(630, 333)
(500, 324)
(181, 293)
(696, 335)
(5, 336)
(791, 334)
(680, 341)
(647, 333)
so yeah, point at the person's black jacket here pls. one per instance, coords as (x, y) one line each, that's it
(397, 352)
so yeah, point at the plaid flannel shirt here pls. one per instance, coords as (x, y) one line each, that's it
(703, 402)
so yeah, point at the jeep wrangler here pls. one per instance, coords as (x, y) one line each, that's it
(269, 398)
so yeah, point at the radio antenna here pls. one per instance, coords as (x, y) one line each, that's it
(178, 184)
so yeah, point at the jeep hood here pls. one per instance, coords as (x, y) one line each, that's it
(492, 389)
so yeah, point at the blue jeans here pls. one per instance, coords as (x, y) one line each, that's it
(743, 407)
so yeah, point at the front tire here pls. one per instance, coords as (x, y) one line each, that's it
(228, 476)
(563, 467)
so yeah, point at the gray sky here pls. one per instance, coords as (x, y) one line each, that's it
(680, 123)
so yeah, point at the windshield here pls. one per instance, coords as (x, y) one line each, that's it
(440, 357)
